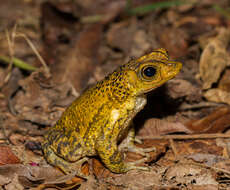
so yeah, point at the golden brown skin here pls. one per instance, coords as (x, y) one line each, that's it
(97, 121)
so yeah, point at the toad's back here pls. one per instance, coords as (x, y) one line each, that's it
(95, 122)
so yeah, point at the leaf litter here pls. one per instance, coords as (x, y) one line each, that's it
(82, 42)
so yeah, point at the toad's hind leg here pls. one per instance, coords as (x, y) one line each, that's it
(66, 166)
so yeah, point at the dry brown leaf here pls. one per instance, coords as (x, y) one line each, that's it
(224, 83)
(174, 40)
(222, 93)
(99, 170)
(178, 88)
(7, 156)
(14, 184)
(140, 44)
(161, 127)
(136, 180)
(77, 65)
(208, 159)
(90, 184)
(217, 95)
(32, 176)
(117, 35)
(107, 10)
(186, 148)
(225, 165)
(214, 58)
(35, 101)
(4, 180)
(183, 175)
(215, 122)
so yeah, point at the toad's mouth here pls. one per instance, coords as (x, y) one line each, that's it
(158, 84)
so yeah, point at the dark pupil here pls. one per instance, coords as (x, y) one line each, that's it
(149, 71)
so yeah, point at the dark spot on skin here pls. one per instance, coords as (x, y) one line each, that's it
(115, 159)
(54, 136)
(77, 129)
(68, 134)
(116, 74)
(109, 146)
(94, 120)
(59, 149)
(76, 148)
(74, 138)
(61, 145)
(65, 143)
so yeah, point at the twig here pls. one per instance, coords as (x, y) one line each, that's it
(10, 40)
(196, 136)
(172, 144)
(199, 105)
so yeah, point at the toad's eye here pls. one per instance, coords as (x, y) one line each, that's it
(149, 71)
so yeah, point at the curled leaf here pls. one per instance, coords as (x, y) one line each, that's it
(214, 58)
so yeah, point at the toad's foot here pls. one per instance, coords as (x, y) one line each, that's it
(128, 145)
(132, 165)
(141, 151)
(114, 160)
(137, 140)
(75, 168)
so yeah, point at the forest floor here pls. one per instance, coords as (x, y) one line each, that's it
(50, 51)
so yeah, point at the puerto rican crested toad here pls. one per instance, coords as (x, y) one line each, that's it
(97, 121)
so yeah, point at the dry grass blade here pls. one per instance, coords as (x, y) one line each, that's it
(46, 68)
(18, 63)
(12, 60)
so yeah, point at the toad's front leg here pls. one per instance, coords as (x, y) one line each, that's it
(129, 145)
(114, 159)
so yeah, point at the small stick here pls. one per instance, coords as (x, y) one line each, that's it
(172, 144)
(196, 136)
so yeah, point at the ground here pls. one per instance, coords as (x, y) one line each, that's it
(50, 51)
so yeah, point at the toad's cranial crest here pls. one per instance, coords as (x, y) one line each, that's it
(99, 119)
